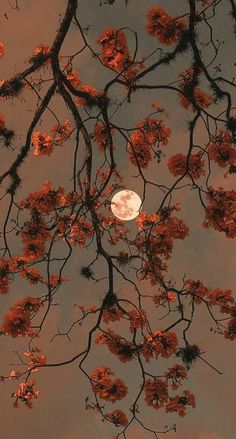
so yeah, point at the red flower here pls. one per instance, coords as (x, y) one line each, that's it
(32, 274)
(221, 298)
(112, 314)
(16, 323)
(45, 200)
(139, 151)
(41, 49)
(178, 403)
(176, 374)
(116, 344)
(34, 251)
(230, 333)
(168, 30)
(73, 77)
(196, 289)
(101, 135)
(43, 143)
(160, 343)
(150, 132)
(28, 305)
(105, 387)
(100, 373)
(156, 393)
(202, 99)
(115, 52)
(221, 149)
(178, 166)
(92, 93)
(35, 358)
(35, 232)
(117, 417)
(25, 393)
(221, 211)
(80, 231)
(5, 275)
(61, 132)
(154, 131)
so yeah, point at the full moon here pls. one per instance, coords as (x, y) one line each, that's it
(125, 205)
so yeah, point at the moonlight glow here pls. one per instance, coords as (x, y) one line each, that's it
(125, 205)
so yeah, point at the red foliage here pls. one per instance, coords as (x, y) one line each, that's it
(192, 94)
(178, 403)
(25, 393)
(221, 211)
(150, 133)
(194, 167)
(168, 30)
(221, 149)
(117, 417)
(156, 393)
(115, 52)
(105, 387)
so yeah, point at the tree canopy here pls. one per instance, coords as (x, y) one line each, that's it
(144, 103)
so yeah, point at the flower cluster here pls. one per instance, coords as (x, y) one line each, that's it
(168, 30)
(137, 319)
(77, 230)
(221, 149)
(117, 417)
(115, 52)
(192, 94)
(106, 388)
(196, 289)
(159, 343)
(156, 393)
(6, 273)
(25, 393)
(35, 358)
(227, 305)
(101, 135)
(194, 167)
(92, 96)
(176, 375)
(73, 76)
(32, 274)
(35, 232)
(221, 211)
(115, 226)
(116, 344)
(17, 264)
(44, 142)
(17, 321)
(221, 298)
(40, 55)
(45, 200)
(217, 297)
(112, 314)
(163, 297)
(178, 403)
(156, 238)
(149, 133)
(34, 236)
(230, 333)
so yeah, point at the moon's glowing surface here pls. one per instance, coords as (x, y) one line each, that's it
(125, 205)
